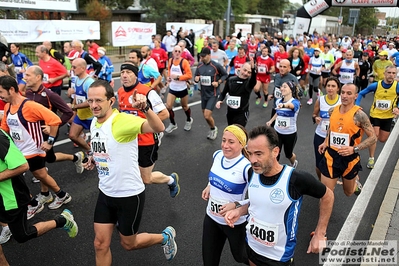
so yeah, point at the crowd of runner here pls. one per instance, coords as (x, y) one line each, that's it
(329, 72)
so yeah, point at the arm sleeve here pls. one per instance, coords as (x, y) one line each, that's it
(96, 65)
(252, 80)
(60, 104)
(304, 183)
(232, 62)
(33, 111)
(226, 89)
(371, 88)
(187, 71)
(110, 67)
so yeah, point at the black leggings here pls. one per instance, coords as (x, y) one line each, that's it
(213, 238)
(289, 142)
(19, 227)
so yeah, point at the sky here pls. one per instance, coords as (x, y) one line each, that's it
(391, 12)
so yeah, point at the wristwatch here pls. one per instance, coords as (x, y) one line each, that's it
(177, 77)
(50, 140)
(238, 205)
(356, 149)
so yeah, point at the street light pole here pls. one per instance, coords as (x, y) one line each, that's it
(228, 17)
(339, 25)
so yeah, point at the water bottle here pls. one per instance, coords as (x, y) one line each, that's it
(190, 92)
(195, 86)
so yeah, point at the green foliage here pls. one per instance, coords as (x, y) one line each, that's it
(367, 20)
(269, 7)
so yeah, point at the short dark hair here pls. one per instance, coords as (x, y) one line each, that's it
(268, 132)
(8, 82)
(138, 53)
(109, 91)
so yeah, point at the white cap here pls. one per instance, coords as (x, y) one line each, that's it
(279, 33)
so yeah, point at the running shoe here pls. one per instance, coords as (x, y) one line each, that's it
(305, 92)
(257, 101)
(320, 93)
(5, 235)
(264, 105)
(170, 128)
(78, 163)
(213, 134)
(174, 187)
(44, 199)
(35, 180)
(359, 188)
(295, 164)
(310, 102)
(370, 163)
(170, 247)
(58, 202)
(32, 211)
(177, 100)
(160, 136)
(70, 226)
(187, 126)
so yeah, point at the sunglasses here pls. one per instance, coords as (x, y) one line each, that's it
(177, 51)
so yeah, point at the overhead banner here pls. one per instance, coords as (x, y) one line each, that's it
(132, 33)
(364, 3)
(206, 29)
(22, 31)
(57, 5)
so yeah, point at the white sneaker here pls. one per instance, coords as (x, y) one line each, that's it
(78, 163)
(213, 134)
(160, 136)
(187, 126)
(58, 202)
(170, 128)
(44, 199)
(5, 235)
(310, 102)
(32, 211)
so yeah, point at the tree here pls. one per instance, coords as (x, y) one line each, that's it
(367, 20)
(100, 12)
(270, 7)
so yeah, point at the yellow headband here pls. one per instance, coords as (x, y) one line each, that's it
(238, 133)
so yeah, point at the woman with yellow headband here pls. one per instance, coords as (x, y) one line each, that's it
(228, 179)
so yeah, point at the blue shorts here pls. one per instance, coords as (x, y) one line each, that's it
(84, 123)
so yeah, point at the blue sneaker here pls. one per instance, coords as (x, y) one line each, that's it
(170, 247)
(174, 187)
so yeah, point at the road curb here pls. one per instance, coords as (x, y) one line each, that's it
(388, 205)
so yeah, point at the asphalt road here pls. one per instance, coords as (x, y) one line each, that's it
(189, 154)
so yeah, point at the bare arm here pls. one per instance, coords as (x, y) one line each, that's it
(326, 206)
(9, 173)
(362, 120)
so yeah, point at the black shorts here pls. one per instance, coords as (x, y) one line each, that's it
(21, 230)
(261, 260)
(124, 212)
(36, 163)
(234, 117)
(303, 77)
(179, 94)
(383, 124)
(333, 165)
(148, 155)
(209, 103)
(317, 141)
(325, 74)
